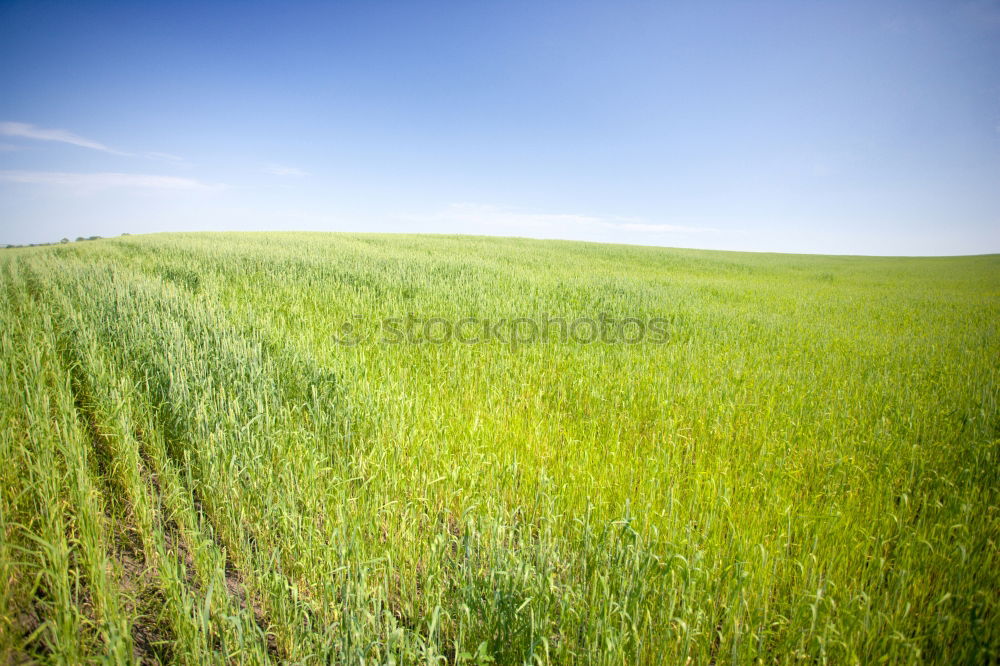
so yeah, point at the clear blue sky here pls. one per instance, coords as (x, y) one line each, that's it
(863, 127)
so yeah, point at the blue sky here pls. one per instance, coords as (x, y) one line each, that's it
(804, 126)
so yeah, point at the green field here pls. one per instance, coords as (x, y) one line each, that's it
(203, 463)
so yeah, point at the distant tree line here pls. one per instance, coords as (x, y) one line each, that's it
(64, 240)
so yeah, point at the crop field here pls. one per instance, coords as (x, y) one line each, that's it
(351, 448)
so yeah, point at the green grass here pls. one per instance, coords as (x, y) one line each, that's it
(195, 471)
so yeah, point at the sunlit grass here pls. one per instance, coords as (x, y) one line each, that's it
(197, 470)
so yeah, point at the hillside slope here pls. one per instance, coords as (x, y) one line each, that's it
(270, 447)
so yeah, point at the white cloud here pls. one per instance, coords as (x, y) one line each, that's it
(29, 131)
(164, 157)
(494, 216)
(103, 181)
(661, 228)
(280, 170)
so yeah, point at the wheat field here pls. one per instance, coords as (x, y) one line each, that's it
(214, 452)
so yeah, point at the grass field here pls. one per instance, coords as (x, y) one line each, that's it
(203, 463)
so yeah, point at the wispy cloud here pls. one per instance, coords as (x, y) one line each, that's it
(495, 216)
(661, 228)
(165, 157)
(29, 131)
(103, 181)
(281, 170)
(489, 215)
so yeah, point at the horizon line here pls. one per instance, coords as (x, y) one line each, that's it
(79, 239)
